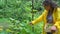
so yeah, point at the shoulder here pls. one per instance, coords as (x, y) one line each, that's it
(45, 11)
(58, 9)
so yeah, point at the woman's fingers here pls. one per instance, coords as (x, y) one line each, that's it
(30, 23)
(53, 28)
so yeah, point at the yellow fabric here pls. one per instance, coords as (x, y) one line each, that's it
(56, 18)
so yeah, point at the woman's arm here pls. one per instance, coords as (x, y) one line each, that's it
(40, 18)
(57, 21)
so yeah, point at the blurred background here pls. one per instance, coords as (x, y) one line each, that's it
(15, 16)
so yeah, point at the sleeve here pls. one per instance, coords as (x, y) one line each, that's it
(40, 18)
(57, 22)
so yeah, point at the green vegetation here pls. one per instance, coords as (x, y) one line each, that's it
(15, 16)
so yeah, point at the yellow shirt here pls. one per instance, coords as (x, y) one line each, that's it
(56, 18)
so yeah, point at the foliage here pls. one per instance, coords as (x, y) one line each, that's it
(16, 14)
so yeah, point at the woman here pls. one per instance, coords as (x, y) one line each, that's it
(51, 18)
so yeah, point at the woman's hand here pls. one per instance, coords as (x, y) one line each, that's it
(30, 23)
(53, 28)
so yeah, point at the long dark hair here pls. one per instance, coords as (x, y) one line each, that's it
(49, 2)
(53, 7)
(52, 4)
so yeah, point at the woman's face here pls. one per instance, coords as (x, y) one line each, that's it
(47, 7)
